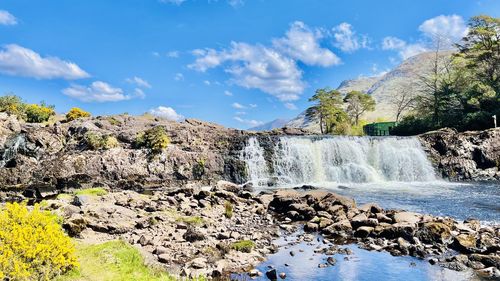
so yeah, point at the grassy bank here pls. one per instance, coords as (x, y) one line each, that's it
(113, 261)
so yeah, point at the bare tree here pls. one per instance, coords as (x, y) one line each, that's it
(405, 100)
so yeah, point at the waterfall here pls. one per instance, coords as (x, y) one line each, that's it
(11, 148)
(300, 160)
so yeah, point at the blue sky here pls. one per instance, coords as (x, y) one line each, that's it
(233, 62)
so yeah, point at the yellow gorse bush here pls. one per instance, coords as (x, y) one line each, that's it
(33, 246)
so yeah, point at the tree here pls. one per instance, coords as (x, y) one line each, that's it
(357, 104)
(404, 101)
(328, 109)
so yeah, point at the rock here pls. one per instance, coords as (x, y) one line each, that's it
(199, 263)
(282, 275)
(271, 274)
(434, 233)
(331, 261)
(75, 225)
(370, 208)
(490, 272)
(340, 227)
(144, 240)
(193, 235)
(396, 230)
(363, 231)
(254, 273)
(383, 218)
(228, 186)
(311, 227)
(292, 253)
(464, 243)
(406, 217)
(324, 222)
(164, 258)
(304, 210)
(487, 260)
(160, 250)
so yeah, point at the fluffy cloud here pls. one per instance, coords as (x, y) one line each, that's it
(173, 54)
(139, 82)
(238, 106)
(179, 76)
(404, 49)
(346, 38)
(248, 122)
(7, 18)
(167, 113)
(301, 43)
(19, 61)
(228, 93)
(452, 27)
(255, 67)
(98, 91)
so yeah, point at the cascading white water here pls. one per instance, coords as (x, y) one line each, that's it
(299, 160)
(11, 149)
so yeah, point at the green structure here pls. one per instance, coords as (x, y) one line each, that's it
(379, 128)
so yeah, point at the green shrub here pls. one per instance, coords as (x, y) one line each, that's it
(155, 139)
(76, 113)
(95, 141)
(32, 113)
(195, 220)
(113, 121)
(33, 245)
(199, 169)
(411, 125)
(228, 212)
(245, 246)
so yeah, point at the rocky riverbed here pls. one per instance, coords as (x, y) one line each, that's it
(218, 230)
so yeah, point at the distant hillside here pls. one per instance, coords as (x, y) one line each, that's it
(275, 124)
(383, 88)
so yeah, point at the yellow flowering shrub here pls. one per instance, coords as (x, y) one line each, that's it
(75, 113)
(33, 245)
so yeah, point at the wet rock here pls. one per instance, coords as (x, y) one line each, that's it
(363, 231)
(272, 274)
(490, 272)
(406, 217)
(331, 261)
(487, 260)
(371, 208)
(434, 233)
(464, 243)
(282, 275)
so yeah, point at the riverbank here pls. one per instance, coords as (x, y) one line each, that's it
(212, 231)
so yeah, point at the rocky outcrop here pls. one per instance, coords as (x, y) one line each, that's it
(43, 157)
(190, 232)
(473, 155)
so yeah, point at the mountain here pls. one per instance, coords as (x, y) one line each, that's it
(384, 88)
(275, 124)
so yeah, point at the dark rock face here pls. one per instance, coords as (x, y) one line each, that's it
(465, 156)
(199, 153)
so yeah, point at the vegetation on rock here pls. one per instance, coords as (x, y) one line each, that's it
(95, 141)
(95, 191)
(31, 113)
(155, 139)
(33, 245)
(245, 246)
(76, 113)
(228, 209)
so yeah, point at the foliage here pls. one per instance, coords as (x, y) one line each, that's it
(33, 245)
(155, 139)
(245, 246)
(462, 92)
(328, 108)
(114, 260)
(228, 209)
(75, 113)
(199, 169)
(113, 121)
(191, 220)
(95, 141)
(32, 113)
(357, 104)
(95, 191)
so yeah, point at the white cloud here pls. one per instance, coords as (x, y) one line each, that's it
(240, 113)
(404, 49)
(452, 27)
(301, 43)
(179, 77)
(248, 122)
(252, 105)
(155, 54)
(167, 113)
(206, 82)
(98, 91)
(173, 54)
(228, 93)
(19, 61)
(236, 3)
(139, 82)
(346, 38)
(7, 18)
(139, 93)
(290, 106)
(255, 67)
(238, 106)
(392, 43)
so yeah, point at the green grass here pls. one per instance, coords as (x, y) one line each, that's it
(228, 212)
(191, 220)
(96, 191)
(114, 261)
(245, 246)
